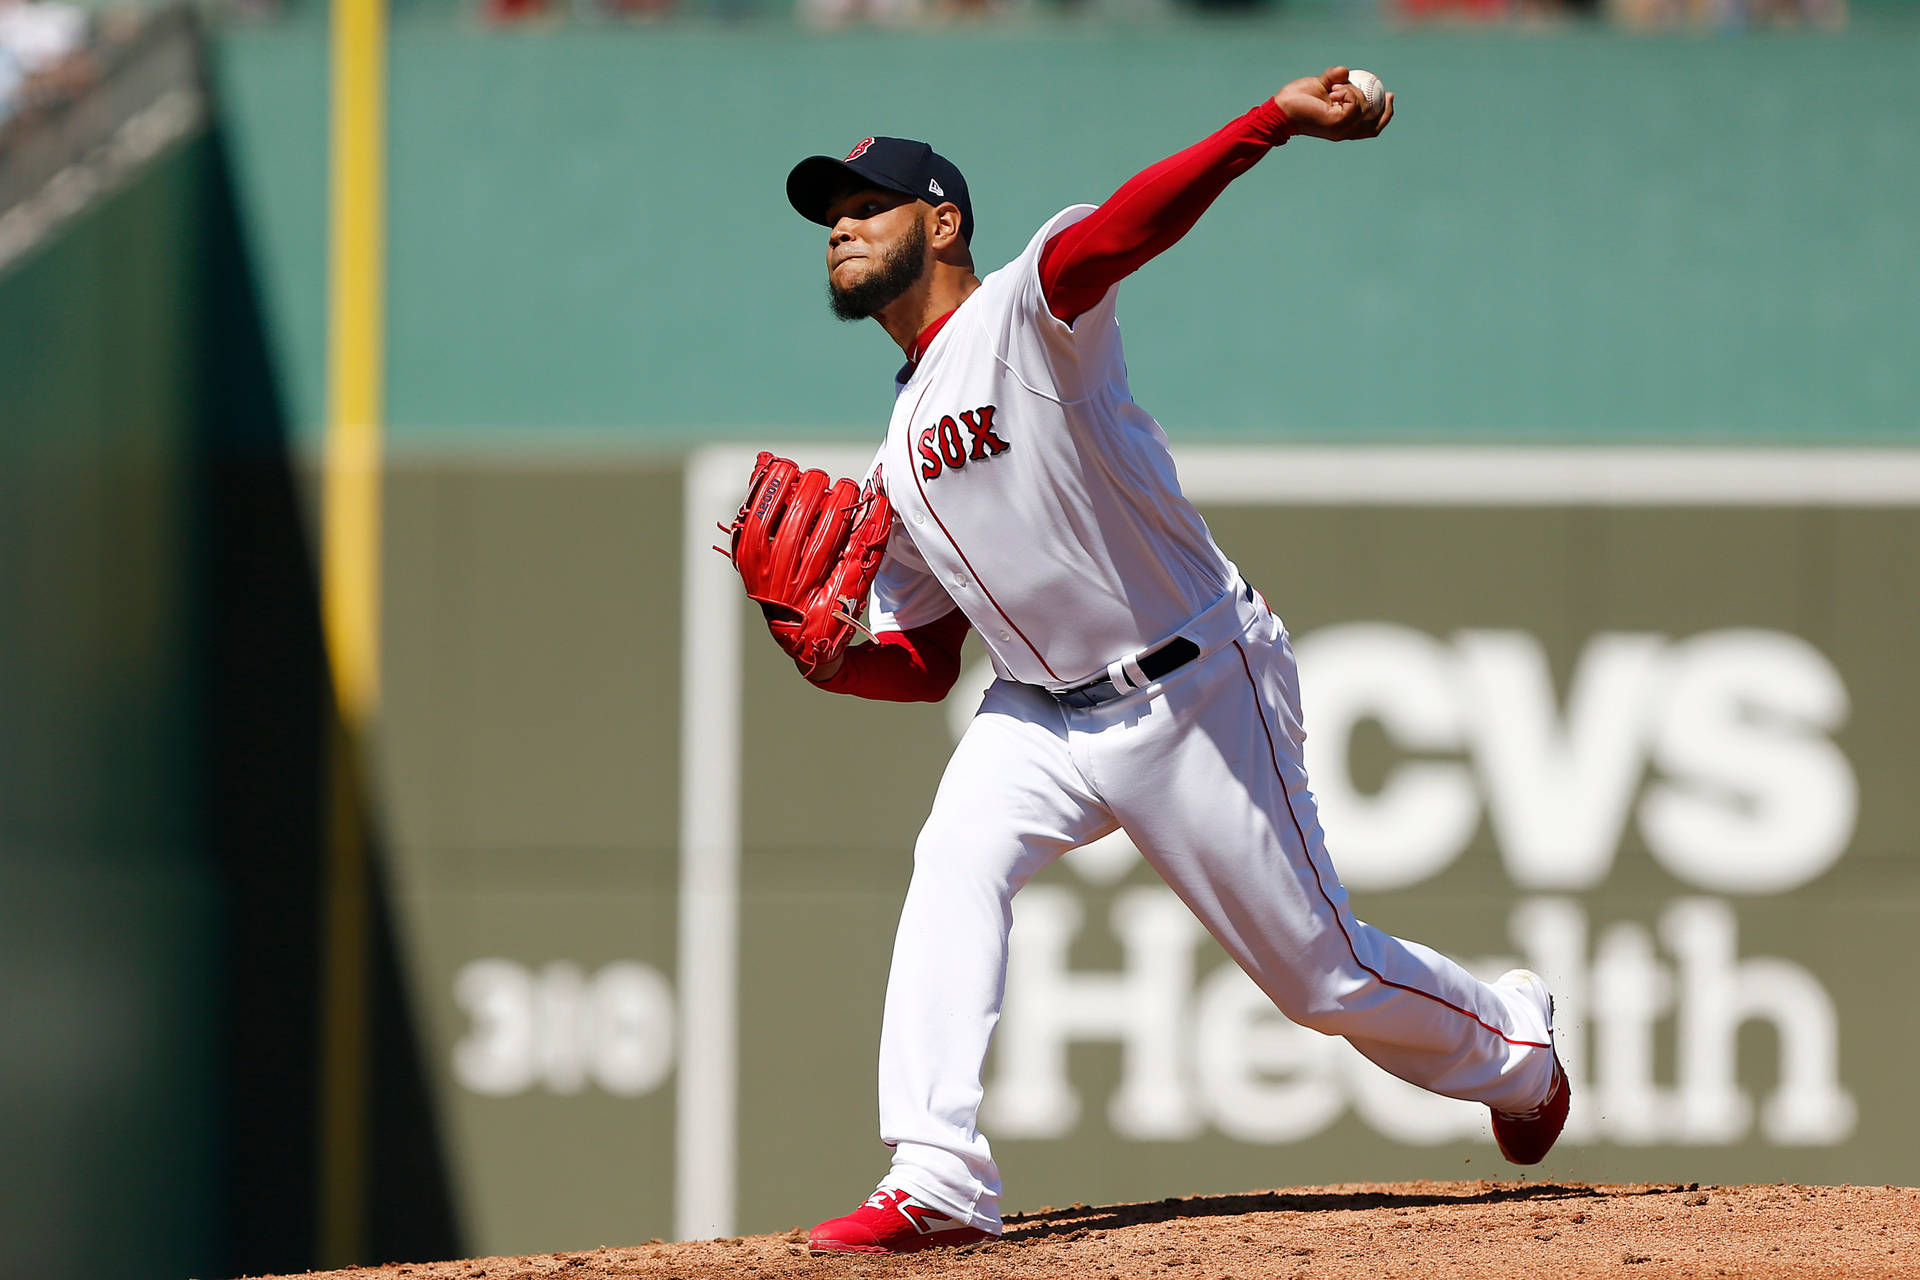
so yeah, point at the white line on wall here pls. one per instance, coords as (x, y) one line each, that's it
(1598, 476)
(706, 1149)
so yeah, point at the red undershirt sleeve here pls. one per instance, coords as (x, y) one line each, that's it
(917, 665)
(1151, 212)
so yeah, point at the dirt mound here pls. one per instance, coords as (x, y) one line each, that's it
(1438, 1230)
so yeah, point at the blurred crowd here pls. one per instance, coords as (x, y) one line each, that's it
(43, 55)
(44, 44)
(53, 51)
(1723, 14)
(1728, 13)
(1707, 14)
(894, 12)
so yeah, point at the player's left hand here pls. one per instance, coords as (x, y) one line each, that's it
(1326, 106)
(808, 548)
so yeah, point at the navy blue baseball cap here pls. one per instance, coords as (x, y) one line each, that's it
(892, 164)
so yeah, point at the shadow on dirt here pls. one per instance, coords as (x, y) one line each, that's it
(1062, 1222)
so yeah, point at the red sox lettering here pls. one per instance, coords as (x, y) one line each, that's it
(942, 447)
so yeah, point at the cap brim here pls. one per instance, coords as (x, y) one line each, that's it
(815, 181)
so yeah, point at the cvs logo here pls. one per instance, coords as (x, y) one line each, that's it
(1720, 746)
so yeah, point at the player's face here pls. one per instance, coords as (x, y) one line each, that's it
(876, 250)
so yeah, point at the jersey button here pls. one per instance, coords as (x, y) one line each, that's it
(959, 579)
(1006, 635)
(919, 517)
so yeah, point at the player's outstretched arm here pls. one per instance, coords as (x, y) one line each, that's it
(1160, 204)
(1328, 106)
(1150, 212)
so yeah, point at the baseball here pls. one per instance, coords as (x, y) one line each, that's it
(1369, 86)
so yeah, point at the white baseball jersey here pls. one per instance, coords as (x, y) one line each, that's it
(1034, 493)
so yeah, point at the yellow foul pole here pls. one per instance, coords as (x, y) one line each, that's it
(350, 602)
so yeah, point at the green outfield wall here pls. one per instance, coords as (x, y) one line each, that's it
(1565, 234)
(111, 907)
(163, 705)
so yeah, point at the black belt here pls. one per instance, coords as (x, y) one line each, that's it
(1157, 664)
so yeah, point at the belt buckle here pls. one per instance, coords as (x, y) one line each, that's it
(1104, 689)
(1083, 696)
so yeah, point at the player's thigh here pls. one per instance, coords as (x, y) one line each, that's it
(1218, 752)
(1012, 798)
(1214, 793)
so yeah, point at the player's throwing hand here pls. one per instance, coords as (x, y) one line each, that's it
(1326, 106)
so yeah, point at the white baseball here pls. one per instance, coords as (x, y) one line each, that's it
(1369, 86)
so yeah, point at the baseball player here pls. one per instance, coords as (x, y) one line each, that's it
(1142, 683)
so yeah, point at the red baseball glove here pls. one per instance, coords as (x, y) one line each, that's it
(807, 548)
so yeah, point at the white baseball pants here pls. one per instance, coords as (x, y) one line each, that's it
(1204, 772)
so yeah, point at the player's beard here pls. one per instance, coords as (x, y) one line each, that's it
(901, 267)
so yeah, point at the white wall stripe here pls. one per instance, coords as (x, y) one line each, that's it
(1557, 476)
(704, 1116)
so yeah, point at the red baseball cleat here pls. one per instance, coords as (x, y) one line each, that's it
(892, 1221)
(1525, 1137)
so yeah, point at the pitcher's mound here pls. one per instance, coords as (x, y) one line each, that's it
(1431, 1230)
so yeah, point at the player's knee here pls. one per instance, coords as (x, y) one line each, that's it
(937, 845)
(971, 865)
(1327, 1019)
(946, 857)
(1344, 996)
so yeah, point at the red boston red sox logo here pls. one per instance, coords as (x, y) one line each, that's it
(859, 150)
(942, 448)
